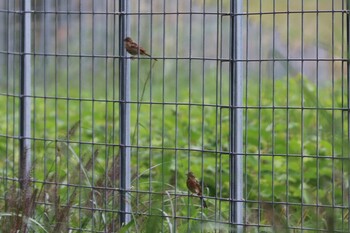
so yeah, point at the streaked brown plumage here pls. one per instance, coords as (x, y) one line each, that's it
(134, 49)
(194, 186)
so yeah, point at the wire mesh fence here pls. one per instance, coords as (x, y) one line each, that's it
(229, 116)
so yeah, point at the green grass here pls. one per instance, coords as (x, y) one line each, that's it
(274, 140)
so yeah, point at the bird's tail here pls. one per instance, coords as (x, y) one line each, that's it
(150, 56)
(204, 203)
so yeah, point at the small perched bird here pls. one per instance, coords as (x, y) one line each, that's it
(194, 186)
(134, 49)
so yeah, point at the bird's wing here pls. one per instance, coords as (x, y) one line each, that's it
(139, 48)
(134, 45)
(199, 187)
(143, 51)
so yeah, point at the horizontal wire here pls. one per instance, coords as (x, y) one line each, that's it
(224, 59)
(246, 107)
(342, 11)
(222, 152)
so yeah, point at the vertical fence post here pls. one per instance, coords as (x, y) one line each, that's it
(348, 90)
(25, 99)
(236, 117)
(124, 115)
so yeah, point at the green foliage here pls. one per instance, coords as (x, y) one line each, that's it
(299, 153)
(295, 150)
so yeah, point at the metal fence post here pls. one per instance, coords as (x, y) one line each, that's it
(124, 115)
(25, 99)
(236, 118)
(348, 90)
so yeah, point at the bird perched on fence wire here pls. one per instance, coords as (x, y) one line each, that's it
(194, 186)
(134, 49)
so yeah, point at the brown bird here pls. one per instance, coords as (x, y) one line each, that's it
(134, 49)
(194, 186)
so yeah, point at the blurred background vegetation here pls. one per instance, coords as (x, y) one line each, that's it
(296, 168)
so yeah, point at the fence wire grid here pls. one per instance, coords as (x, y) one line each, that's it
(230, 116)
